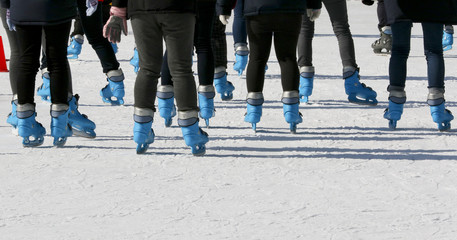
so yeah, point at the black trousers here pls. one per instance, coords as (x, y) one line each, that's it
(219, 43)
(29, 43)
(202, 43)
(284, 30)
(78, 27)
(14, 52)
(382, 17)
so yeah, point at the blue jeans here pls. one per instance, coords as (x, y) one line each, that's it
(239, 24)
(401, 42)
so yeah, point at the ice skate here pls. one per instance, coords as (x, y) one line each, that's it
(206, 95)
(135, 61)
(12, 117)
(442, 117)
(254, 109)
(143, 135)
(60, 124)
(384, 44)
(166, 103)
(74, 49)
(447, 41)
(290, 100)
(223, 87)
(81, 125)
(44, 91)
(397, 98)
(29, 129)
(195, 137)
(113, 93)
(306, 83)
(358, 92)
(241, 58)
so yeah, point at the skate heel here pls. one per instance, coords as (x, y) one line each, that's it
(357, 92)
(81, 125)
(113, 93)
(206, 94)
(194, 136)
(135, 61)
(166, 103)
(241, 58)
(290, 100)
(44, 91)
(306, 83)
(74, 49)
(60, 127)
(223, 87)
(29, 129)
(254, 109)
(442, 117)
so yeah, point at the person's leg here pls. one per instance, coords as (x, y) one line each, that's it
(202, 42)
(382, 17)
(239, 24)
(305, 42)
(14, 53)
(219, 44)
(401, 45)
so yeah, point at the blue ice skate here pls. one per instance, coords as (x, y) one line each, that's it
(74, 49)
(29, 127)
(114, 46)
(195, 138)
(206, 102)
(143, 135)
(447, 41)
(358, 92)
(292, 116)
(167, 109)
(113, 92)
(306, 87)
(223, 87)
(135, 61)
(60, 127)
(393, 113)
(81, 125)
(12, 117)
(241, 57)
(442, 117)
(253, 115)
(44, 91)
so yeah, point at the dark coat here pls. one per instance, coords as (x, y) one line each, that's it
(442, 11)
(40, 12)
(393, 12)
(256, 7)
(156, 6)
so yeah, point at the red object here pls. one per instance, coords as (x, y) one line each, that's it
(3, 67)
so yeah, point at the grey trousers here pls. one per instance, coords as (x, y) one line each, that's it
(337, 10)
(177, 29)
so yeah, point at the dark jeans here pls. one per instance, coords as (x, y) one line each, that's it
(177, 30)
(77, 26)
(202, 43)
(219, 43)
(93, 28)
(29, 42)
(239, 24)
(401, 41)
(14, 53)
(337, 10)
(284, 30)
(382, 17)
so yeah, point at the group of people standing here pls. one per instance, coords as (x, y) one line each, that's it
(183, 25)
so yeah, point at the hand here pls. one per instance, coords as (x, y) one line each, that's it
(313, 14)
(224, 19)
(116, 23)
(10, 24)
(368, 2)
(91, 7)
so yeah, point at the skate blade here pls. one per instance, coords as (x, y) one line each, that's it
(369, 102)
(38, 141)
(59, 141)
(72, 57)
(198, 150)
(444, 127)
(392, 124)
(142, 148)
(168, 122)
(447, 48)
(84, 133)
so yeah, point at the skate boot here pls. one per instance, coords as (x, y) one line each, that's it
(358, 92)
(44, 91)
(447, 41)
(223, 87)
(384, 44)
(60, 124)
(135, 61)
(440, 114)
(28, 127)
(397, 99)
(193, 135)
(206, 95)
(113, 92)
(241, 57)
(81, 125)
(12, 117)
(254, 109)
(74, 49)
(291, 100)
(114, 46)
(143, 135)
(306, 83)
(166, 103)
